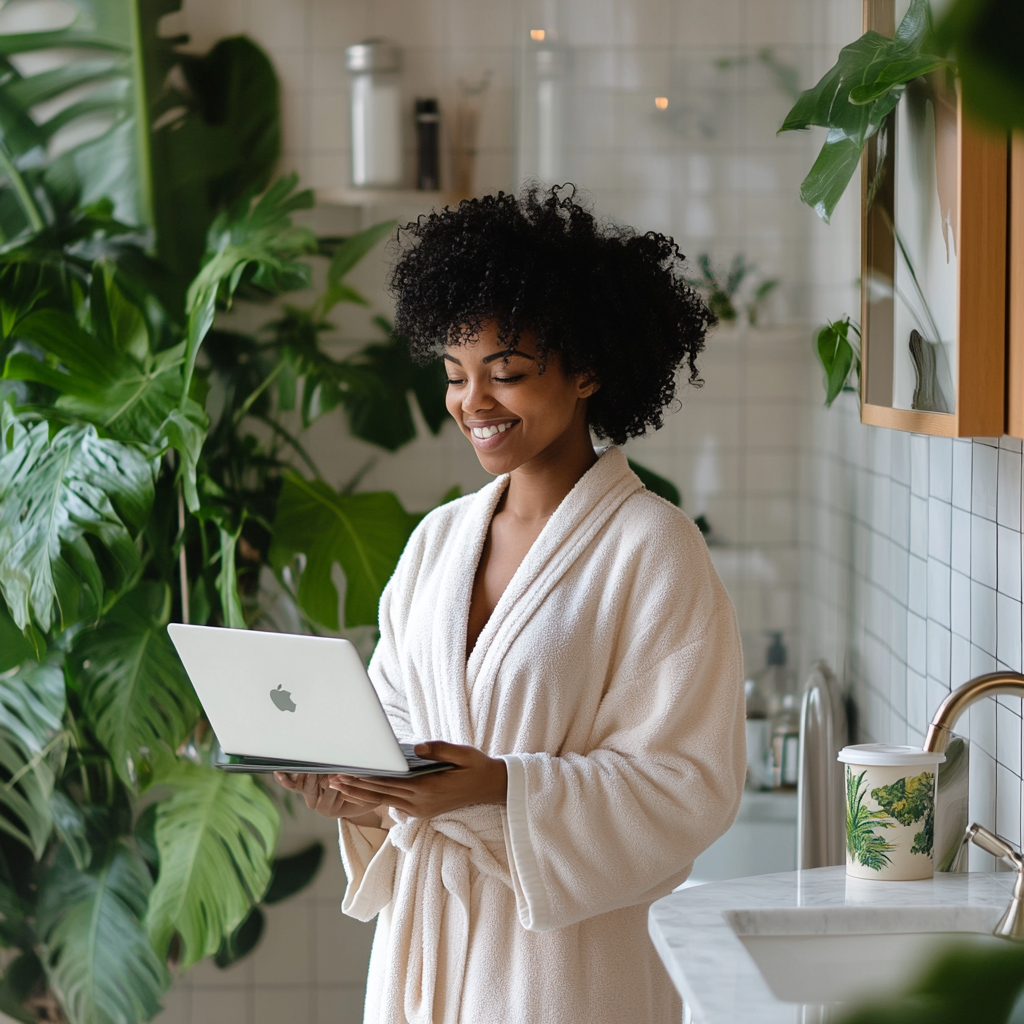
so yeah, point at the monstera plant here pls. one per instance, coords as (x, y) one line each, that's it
(152, 468)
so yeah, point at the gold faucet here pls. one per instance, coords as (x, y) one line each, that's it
(994, 684)
(1010, 684)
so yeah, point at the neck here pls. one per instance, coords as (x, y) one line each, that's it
(537, 488)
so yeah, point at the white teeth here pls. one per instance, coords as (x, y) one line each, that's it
(485, 432)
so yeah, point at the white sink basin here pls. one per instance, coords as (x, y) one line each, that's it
(841, 954)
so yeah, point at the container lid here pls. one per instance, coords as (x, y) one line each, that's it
(888, 755)
(372, 55)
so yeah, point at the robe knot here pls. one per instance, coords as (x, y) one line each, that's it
(431, 904)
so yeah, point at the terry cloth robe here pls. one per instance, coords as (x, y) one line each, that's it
(609, 679)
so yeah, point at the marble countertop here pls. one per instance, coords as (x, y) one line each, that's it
(693, 929)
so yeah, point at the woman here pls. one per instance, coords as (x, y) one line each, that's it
(561, 636)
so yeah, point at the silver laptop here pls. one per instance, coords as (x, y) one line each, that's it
(280, 702)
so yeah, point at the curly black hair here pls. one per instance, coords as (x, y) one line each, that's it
(610, 301)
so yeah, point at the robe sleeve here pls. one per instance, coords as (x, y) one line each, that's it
(360, 844)
(619, 825)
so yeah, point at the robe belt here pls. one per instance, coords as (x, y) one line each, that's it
(431, 905)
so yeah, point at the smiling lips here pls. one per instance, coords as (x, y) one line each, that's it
(490, 429)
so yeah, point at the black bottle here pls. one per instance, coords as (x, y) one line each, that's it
(428, 143)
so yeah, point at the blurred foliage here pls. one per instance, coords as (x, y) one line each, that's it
(723, 290)
(148, 462)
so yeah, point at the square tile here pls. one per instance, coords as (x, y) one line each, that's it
(919, 465)
(960, 540)
(1008, 625)
(938, 653)
(985, 474)
(960, 604)
(919, 526)
(959, 661)
(983, 617)
(939, 527)
(961, 490)
(938, 592)
(290, 1004)
(940, 468)
(1008, 561)
(1008, 490)
(917, 644)
(284, 956)
(983, 551)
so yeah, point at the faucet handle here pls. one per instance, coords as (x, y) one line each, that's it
(991, 843)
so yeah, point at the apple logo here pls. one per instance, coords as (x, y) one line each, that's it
(282, 698)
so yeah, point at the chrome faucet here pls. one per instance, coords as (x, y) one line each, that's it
(994, 684)
(1011, 924)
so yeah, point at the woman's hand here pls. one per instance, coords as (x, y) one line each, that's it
(478, 779)
(329, 802)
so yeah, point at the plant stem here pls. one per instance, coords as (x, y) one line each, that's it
(28, 204)
(293, 442)
(182, 557)
(265, 383)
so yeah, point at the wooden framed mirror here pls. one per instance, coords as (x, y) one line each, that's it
(1015, 303)
(933, 262)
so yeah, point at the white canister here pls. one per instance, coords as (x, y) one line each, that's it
(890, 811)
(376, 114)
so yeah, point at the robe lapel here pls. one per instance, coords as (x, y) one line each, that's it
(451, 616)
(567, 534)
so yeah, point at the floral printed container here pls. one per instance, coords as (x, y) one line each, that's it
(890, 811)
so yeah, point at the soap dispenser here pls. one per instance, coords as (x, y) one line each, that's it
(773, 721)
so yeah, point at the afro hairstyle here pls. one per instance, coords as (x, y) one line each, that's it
(610, 301)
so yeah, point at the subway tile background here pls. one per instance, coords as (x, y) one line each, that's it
(896, 557)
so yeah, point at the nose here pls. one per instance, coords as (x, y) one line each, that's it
(477, 397)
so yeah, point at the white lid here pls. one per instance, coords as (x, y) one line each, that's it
(888, 755)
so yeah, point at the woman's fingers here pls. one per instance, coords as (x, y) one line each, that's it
(453, 753)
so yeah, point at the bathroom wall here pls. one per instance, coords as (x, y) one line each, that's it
(910, 548)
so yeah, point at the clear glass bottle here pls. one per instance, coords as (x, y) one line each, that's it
(376, 114)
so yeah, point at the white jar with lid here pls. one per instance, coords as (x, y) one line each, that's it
(890, 811)
(376, 114)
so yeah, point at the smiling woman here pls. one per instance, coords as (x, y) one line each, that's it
(560, 636)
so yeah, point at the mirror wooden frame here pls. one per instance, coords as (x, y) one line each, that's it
(981, 215)
(1015, 294)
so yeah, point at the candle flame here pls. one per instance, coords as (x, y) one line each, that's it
(537, 34)
(661, 102)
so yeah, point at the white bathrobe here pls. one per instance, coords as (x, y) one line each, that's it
(609, 679)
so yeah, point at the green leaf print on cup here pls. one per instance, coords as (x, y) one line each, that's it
(909, 801)
(863, 844)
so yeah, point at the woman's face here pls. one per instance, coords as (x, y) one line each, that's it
(512, 413)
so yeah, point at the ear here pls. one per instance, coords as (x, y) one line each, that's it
(587, 385)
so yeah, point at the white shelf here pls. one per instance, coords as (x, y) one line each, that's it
(384, 198)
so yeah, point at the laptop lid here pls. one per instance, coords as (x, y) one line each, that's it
(278, 695)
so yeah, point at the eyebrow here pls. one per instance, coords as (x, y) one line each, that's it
(503, 354)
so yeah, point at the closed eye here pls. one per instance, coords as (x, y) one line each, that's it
(455, 380)
(509, 380)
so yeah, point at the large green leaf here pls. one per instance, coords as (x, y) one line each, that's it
(55, 496)
(853, 100)
(134, 691)
(217, 138)
(363, 533)
(216, 835)
(106, 79)
(839, 356)
(97, 955)
(31, 708)
(252, 242)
